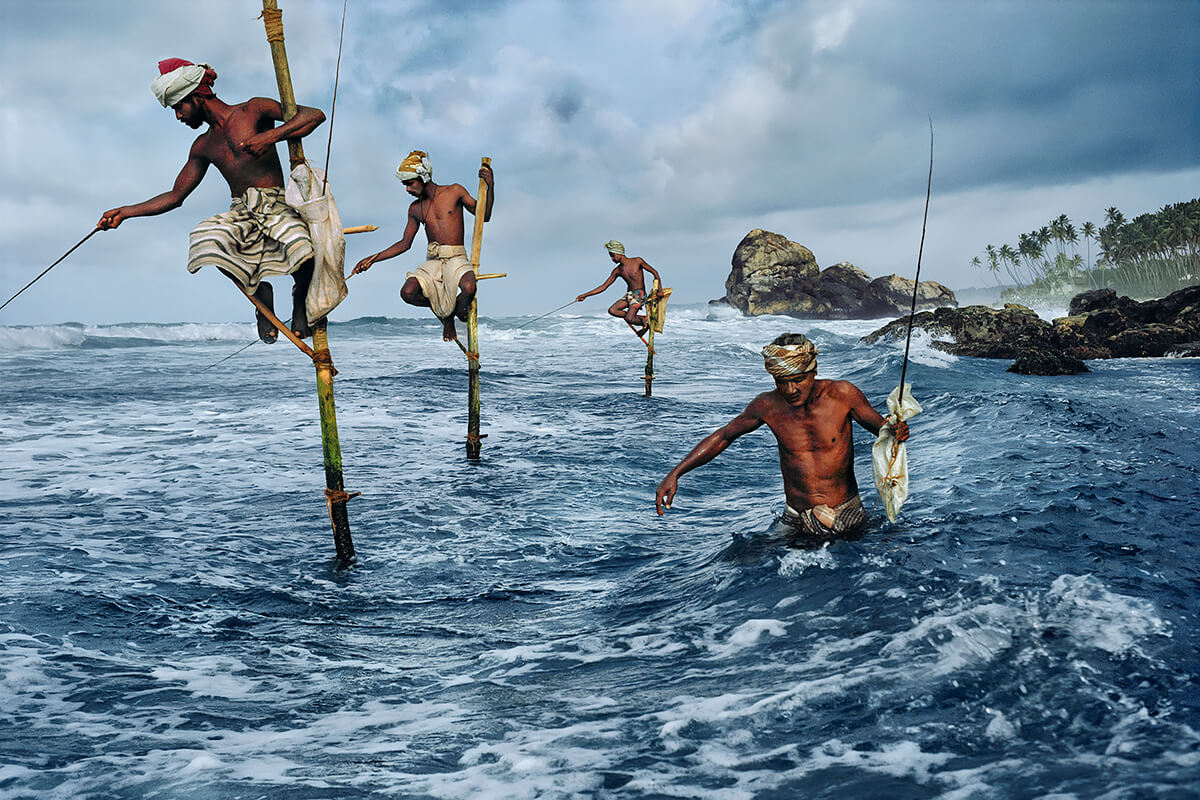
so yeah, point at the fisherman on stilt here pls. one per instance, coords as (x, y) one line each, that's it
(631, 270)
(811, 420)
(445, 283)
(260, 236)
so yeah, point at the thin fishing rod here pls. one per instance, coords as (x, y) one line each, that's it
(548, 313)
(916, 278)
(333, 106)
(52, 266)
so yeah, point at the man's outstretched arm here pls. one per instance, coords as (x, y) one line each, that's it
(188, 179)
(410, 232)
(612, 277)
(709, 448)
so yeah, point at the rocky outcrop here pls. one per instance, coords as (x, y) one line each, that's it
(1100, 325)
(1047, 362)
(768, 271)
(772, 275)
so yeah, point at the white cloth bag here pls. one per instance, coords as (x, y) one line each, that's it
(319, 212)
(890, 457)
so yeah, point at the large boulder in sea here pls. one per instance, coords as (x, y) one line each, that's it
(773, 275)
(1100, 325)
(892, 294)
(768, 271)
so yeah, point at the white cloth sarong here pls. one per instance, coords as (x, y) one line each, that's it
(439, 276)
(889, 458)
(258, 237)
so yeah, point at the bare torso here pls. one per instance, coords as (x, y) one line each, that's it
(816, 447)
(221, 145)
(441, 213)
(632, 271)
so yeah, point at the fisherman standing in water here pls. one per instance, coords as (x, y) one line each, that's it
(447, 271)
(260, 236)
(630, 270)
(811, 422)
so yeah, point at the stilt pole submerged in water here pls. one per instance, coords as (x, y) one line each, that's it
(474, 439)
(335, 491)
(651, 319)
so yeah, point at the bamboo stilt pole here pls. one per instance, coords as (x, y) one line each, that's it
(335, 492)
(474, 440)
(651, 318)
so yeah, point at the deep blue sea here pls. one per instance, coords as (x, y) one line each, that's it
(173, 623)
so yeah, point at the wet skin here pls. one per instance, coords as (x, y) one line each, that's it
(631, 270)
(811, 420)
(440, 209)
(240, 142)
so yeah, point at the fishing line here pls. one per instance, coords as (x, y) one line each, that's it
(916, 278)
(52, 266)
(337, 70)
(548, 313)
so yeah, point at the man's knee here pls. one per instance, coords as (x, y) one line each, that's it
(467, 283)
(410, 292)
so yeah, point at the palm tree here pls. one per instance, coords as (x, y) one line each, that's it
(1089, 233)
(1010, 256)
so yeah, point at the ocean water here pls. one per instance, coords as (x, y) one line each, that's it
(173, 623)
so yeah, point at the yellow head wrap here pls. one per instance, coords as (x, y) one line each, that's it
(613, 246)
(416, 165)
(788, 360)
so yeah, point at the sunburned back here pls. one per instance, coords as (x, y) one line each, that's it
(442, 214)
(221, 146)
(816, 450)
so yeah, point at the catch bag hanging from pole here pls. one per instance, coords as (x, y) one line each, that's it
(889, 458)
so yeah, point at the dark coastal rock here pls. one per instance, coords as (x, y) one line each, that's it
(772, 275)
(1100, 325)
(1047, 362)
(976, 330)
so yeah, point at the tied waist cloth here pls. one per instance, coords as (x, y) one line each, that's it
(260, 236)
(439, 276)
(823, 521)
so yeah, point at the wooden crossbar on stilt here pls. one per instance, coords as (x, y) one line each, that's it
(474, 438)
(335, 491)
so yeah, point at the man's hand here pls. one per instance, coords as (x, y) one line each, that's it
(580, 298)
(665, 493)
(257, 144)
(364, 265)
(487, 175)
(112, 218)
(899, 430)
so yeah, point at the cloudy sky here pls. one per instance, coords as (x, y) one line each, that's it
(676, 126)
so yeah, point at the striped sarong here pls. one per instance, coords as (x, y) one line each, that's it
(823, 521)
(259, 236)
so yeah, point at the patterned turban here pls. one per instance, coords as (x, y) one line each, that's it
(789, 360)
(178, 78)
(415, 166)
(613, 246)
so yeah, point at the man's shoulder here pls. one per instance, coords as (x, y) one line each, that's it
(840, 390)
(257, 106)
(765, 402)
